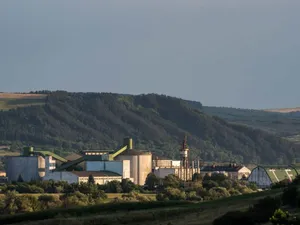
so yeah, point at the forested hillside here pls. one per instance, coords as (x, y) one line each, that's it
(74, 121)
(282, 124)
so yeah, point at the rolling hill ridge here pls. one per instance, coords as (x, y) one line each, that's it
(74, 121)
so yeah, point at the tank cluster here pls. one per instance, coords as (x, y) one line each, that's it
(123, 163)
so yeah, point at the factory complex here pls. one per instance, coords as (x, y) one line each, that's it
(129, 163)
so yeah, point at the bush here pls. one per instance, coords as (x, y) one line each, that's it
(280, 217)
(234, 192)
(80, 211)
(291, 196)
(49, 201)
(175, 194)
(258, 213)
(218, 192)
(74, 199)
(208, 184)
(192, 196)
(26, 188)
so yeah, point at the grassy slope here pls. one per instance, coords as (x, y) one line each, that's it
(189, 214)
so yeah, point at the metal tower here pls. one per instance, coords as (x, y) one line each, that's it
(184, 157)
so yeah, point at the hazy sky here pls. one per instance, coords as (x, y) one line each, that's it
(238, 53)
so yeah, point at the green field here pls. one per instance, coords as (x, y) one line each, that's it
(159, 213)
(12, 100)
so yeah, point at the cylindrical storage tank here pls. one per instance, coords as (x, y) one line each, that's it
(140, 164)
(41, 166)
(26, 167)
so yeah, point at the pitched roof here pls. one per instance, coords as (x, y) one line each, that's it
(279, 173)
(102, 173)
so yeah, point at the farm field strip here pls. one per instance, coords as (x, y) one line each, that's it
(16, 100)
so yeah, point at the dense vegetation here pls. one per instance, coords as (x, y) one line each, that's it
(75, 121)
(272, 209)
(282, 124)
(60, 198)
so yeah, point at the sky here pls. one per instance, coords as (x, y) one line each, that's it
(235, 53)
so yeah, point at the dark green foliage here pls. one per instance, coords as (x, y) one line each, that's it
(113, 187)
(235, 218)
(151, 181)
(26, 188)
(75, 121)
(281, 184)
(80, 211)
(197, 177)
(291, 196)
(278, 123)
(128, 186)
(171, 194)
(20, 179)
(280, 217)
(259, 213)
(91, 179)
(172, 181)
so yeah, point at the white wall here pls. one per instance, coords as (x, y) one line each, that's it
(61, 176)
(120, 167)
(163, 172)
(260, 177)
(126, 169)
(27, 167)
(72, 178)
(101, 180)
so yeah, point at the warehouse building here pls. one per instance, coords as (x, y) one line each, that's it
(232, 170)
(265, 176)
(100, 177)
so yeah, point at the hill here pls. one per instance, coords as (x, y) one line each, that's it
(74, 121)
(16, 100)
(284, 125)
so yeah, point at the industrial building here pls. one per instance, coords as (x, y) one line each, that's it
(182, 168)
(232, 170)
(265, 176)
(100, 177)
(104, 165)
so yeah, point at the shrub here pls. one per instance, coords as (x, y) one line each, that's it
(74, 199)
(218, 192)
(174, 194)
(113, 187)
(27, 203)
(234, 192)
(208, 184)
(257, 214)
(49, 201)
(291, 196)
(280, 217)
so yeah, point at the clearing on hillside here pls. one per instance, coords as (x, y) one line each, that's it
(284, 110)
(15, 100)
